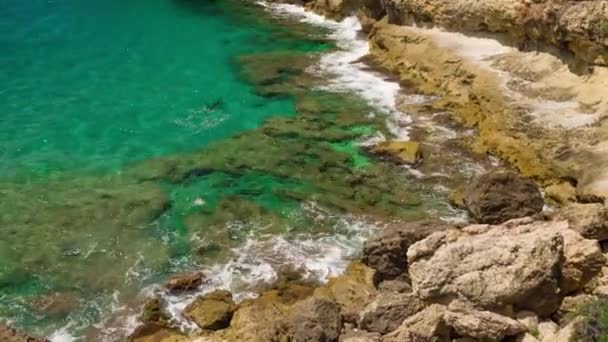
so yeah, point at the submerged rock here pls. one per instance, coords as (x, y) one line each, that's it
(212, 311)
(499, 196)
(9, 334)
(59, 303)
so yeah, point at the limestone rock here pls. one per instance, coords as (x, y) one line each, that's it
(260, 320)
(590, 220)
(386, 252)
(403, 152)
(583, 259)
(571, 332)
(155, 333)
(517, 263)
(481, 325)
(315, 320)
(212, 311)
(547, 331)
(184, 282)
(563, 193)
(388, 311)
(9, 334)
(527, 338)
(427, 325)
(528, 318)
(499, 196)
(574, 304)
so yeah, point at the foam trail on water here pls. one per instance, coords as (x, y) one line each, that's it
(348, 73)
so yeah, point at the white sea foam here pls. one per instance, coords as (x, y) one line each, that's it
(348, 73)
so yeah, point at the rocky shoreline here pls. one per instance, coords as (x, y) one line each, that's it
(520, 273)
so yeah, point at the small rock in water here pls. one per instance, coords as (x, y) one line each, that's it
(182, 282)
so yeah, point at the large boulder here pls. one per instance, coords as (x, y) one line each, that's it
(499, 196)
(481, 325)
(212, 311)
(583, 260)
(10, 334)
(517, 263)
(316, 319)
(386, 253)
(388, 311)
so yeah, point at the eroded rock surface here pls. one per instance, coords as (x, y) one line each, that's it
(212, 311)
(9, 334)
(315, 320)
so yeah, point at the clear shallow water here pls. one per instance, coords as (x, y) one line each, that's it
(95, 84)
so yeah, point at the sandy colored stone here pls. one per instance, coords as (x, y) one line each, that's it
(590, 220)
(427, 325)
(515, 263)
(562, 193)
(212, 311)
(315, 319)
(481, 325)
(571, 332)
(181, 282)
(547, 330)
(583, 260)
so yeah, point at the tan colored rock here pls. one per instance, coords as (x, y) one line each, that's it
(527, 338)
(529, 319)
(583, 259)
(481, 325)
(403, 152)
(515, 263)
(573, 304)
(212, 311)
(427, 325)
(155, 333)
(388, 311)
(259, 320)
(9, 334)
(315, 319)
(352, 291)
(571, 332)
(547, 331)
(590, 220)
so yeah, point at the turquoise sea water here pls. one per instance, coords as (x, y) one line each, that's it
(95, 84)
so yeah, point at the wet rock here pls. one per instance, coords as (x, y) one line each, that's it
(10, 334)
(388, 311)
(212, 311)
(182, 282)
(526, 256)
(427, 325)
(386, 252)
(590, 220)
(60, 303)
(153, 313)
(403, 152)
(260, 320)
(155, 333)
(481, 325)
(315, 320)
(499, 196)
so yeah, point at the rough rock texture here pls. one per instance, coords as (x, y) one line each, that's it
(9, 334)
(497, 197)
(315, 320)
(590, 220)
(571, 332)
(386, 252)
(427, 325)
(518, 263)
(388, 311)
(402, 152)
(547, 331)
(184, 282)
(553, 24)
(212, 311)
(583, 260)
(481, 325)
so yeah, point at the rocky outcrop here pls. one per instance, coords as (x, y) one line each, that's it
(212, 311)
(499, 196)
(481, 325)
(9, 334)
(401, 152)
(535, 262)
(590, 220)
(386, 252)
(553, 25)
(427, 325)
